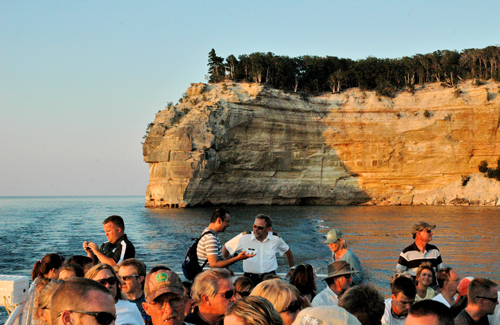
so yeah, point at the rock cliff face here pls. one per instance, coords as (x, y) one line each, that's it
(247, 144)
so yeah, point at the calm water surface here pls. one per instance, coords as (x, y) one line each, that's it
(34, 226)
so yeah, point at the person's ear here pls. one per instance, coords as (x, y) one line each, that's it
(206, 299)
(145, 306)
(66, 318)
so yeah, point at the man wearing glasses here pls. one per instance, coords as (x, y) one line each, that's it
(482, 299)
(213, 291)
(420, 251)
(264, 244)
(82, 301)
(132, 274)
(165, 299)
(448, 281)
(339, 279)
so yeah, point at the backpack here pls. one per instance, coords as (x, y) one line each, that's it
(190, 266)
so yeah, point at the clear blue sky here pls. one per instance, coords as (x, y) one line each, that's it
(80, 80)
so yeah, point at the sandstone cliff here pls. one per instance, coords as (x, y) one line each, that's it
(247, 144)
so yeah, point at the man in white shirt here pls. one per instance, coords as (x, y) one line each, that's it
(403, 296)
(448, 281)
(264, 244)
(338, 281)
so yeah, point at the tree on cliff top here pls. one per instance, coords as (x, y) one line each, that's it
(216, 70)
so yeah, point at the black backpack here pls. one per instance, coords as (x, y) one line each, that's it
(190, 266)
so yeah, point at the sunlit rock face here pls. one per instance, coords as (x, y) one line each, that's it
(247, 144)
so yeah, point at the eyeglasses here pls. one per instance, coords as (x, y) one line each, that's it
(493, 300)
(111, 281)
(243, 293)
(162, 304)
(292, 307)
(102, 317)
(128, 277)
(258, 227)
(228, 294)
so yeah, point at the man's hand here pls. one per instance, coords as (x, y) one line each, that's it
(94, 248)
(243, 256)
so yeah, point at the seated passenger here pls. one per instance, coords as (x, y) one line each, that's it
(285, 298)
(243, 286)
(403, 296)
(425, 277)
(253, 310)
(126, 311)
(48, 267)
(71, 271)
(364, 302)
(43, 302)
(84, 261)
(304, 279)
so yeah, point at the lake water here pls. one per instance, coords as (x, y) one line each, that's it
(31, 227)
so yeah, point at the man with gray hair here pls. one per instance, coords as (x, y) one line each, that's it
(265, 244)
(213, 291)
(82, 301)
(482, 299)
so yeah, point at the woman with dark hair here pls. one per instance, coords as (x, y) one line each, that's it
(425, 277)
(126, 311)
(48, 267)
(304, 279)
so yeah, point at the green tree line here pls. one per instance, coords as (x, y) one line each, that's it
(314, 74)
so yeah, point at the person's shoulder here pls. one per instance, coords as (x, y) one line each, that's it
(410, 247)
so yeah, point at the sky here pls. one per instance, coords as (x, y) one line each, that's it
(80, 80)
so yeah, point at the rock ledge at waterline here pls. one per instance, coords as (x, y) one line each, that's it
(243, 143)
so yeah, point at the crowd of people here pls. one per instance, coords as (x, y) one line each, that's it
(110, 286)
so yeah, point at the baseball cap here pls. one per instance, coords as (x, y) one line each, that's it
(162, 281)
(325, 315)
(421, 225)
(333, 235)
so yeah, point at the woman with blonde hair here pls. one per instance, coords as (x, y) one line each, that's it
(425, 277)
(252, 310)
(337, 244)
(285, 298)
(126, 311)
(43, 302)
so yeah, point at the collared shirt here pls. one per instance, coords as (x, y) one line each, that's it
(325, 298)
(411, 257)
(441, 299)
(265, 260)
(389, 317)
(120, 250)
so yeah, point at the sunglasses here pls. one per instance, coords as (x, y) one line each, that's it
(102, 317)
(128, 277)
(493, 300)
(111, 281)
(243, 293)
(258, 227)
(228, 294)
(292, 307)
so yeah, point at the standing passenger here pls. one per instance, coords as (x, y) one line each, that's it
(336, 242)
(420, 251)
(209, 247)
(116, 249)
(263, 243)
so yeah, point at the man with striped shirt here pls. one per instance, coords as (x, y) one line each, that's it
(209, 250)
(420, 251)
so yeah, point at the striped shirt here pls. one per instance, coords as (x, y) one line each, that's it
(208, 245)
(411, 258)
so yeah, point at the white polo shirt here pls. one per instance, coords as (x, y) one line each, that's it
(265, 260)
